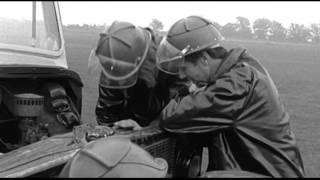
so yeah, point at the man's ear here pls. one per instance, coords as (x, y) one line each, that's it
(204, 59)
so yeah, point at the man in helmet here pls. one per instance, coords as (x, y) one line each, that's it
(236, 111)
(129, 95)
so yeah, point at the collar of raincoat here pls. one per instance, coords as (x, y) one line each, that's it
(226, 64)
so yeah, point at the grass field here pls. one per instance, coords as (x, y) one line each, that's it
(295, 68)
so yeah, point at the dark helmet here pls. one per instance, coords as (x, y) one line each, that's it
(186, 36)
(114, 157)
(121, 51)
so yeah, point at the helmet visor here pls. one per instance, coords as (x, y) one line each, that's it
(169, 58)
(116, 73)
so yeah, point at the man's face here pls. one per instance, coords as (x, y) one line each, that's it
(197, 71)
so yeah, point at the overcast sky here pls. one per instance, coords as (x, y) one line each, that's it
(142, 12)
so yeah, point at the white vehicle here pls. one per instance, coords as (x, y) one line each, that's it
(40, 101)
(40, 97)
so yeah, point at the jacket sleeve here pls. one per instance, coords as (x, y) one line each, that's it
(139, 103)
(144, 103)
(212, 109)
(111, 105)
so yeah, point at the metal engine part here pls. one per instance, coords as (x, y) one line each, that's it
(26, 107)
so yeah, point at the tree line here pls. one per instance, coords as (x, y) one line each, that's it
(261, 29)
(265, 29)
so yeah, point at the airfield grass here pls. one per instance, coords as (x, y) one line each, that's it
(295, 69)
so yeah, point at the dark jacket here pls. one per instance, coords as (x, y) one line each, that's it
(142, 102)
(241, 118)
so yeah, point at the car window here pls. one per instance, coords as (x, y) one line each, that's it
(26, 24)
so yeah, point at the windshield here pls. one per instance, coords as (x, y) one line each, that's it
(32, 24)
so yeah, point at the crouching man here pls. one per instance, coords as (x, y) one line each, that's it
(238, 112)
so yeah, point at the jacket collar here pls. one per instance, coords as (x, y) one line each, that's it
(227, 63)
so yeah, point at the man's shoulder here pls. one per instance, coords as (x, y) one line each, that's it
(242, 53)
(247, 59)
(237, 50)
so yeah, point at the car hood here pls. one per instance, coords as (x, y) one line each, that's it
(20, 57)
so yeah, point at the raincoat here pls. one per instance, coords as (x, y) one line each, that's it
(240, 118)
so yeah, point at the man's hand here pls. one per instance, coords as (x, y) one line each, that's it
(127, 124)
(193, 89)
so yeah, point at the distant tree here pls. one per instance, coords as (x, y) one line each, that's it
(75, 26)
(261, 28)
(217, 25)
(85, 25)
(277, 31)
(156, 25)
(298, 33)
(315, 32)
(229, 29)
(243, 27)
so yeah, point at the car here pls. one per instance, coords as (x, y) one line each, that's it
(41, 98)
(36, 87)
